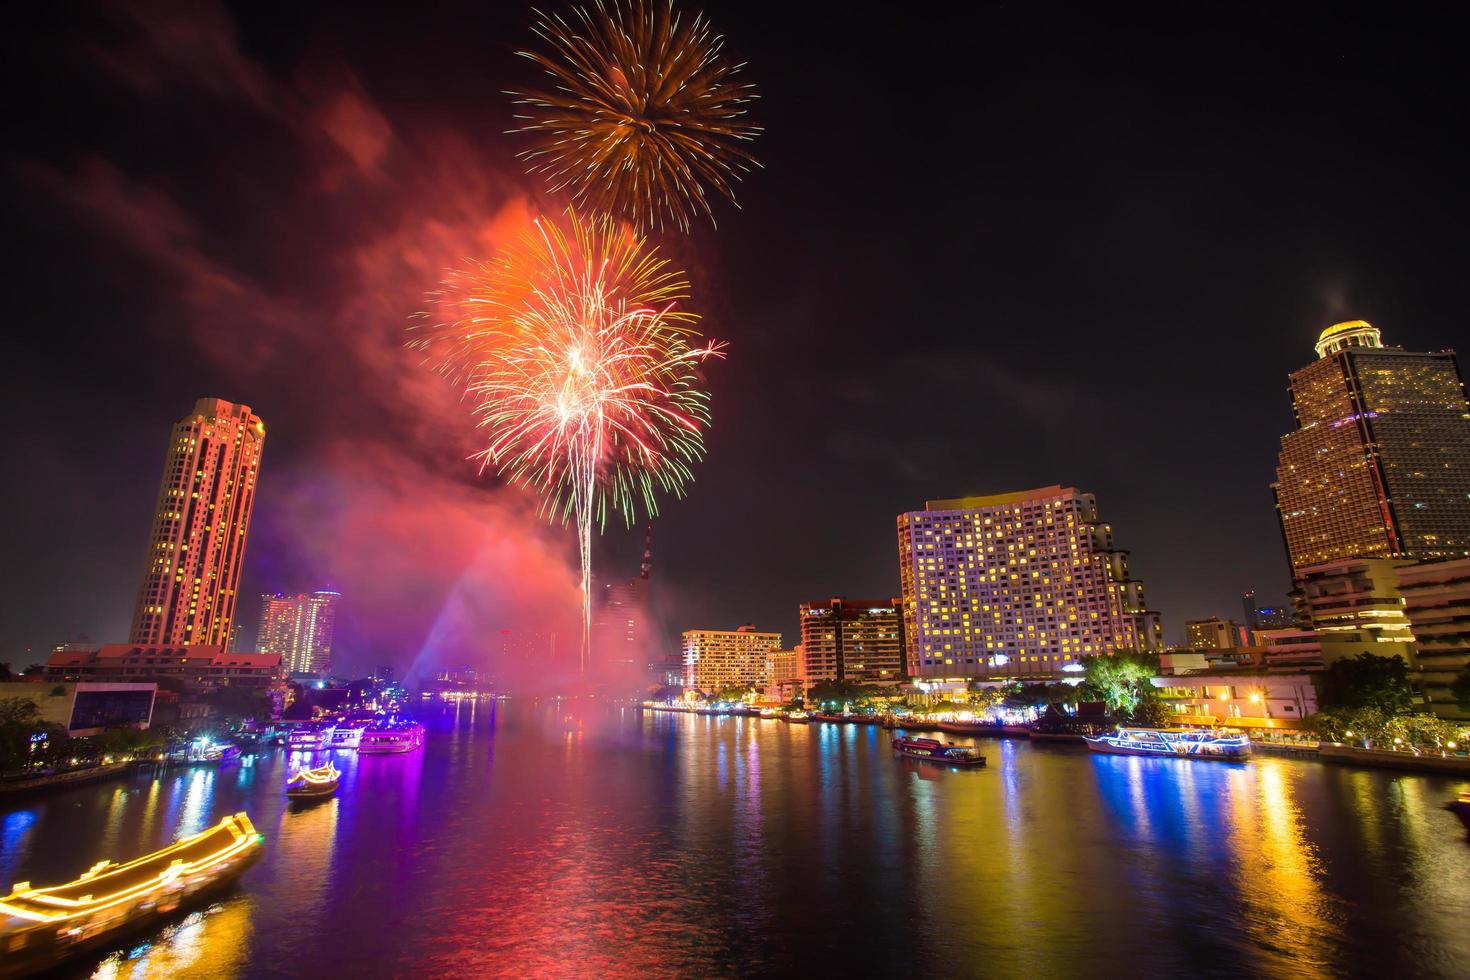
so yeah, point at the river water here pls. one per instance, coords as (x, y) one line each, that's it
(545, 840)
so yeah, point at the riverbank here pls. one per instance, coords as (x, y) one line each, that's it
(1388, 759)
(20, 789)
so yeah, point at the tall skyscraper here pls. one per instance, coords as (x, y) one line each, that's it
(1379, 466)
(620, 626)
(855, 640)
(300, 629)
(197, 547)
(727, 658)
(1015, 585)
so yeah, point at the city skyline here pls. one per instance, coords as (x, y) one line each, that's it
(1055, 371)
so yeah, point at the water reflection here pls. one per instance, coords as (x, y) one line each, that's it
(568, 840)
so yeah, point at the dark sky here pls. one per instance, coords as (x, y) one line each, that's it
(991, 248)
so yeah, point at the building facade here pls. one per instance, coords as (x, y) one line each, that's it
(1379, 465)
(300, 628)
(197, 546)
(784, 676)
(1016, 585)
(1436, 597)
(859, 641)
(1354, 607)
(727, 658)
(193, 666)
(1214, 634)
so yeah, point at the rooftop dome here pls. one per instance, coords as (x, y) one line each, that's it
(1349, 333)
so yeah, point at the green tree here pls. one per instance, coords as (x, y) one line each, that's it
(1461, 689)
(1121, 679)
(1151, 711)
(1369, 681)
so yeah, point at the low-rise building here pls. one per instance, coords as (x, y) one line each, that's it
(192, 666)
(87, 708)
(1244, 699)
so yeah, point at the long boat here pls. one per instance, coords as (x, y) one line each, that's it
(1182, 743)
(310, 737)
(933, 750)
(313, 784)
(41, 927)
(399, 736)
(796, 717)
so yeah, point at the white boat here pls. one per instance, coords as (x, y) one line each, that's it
(347, 735)
(398, 736)
(1182, 743)
(310, 737)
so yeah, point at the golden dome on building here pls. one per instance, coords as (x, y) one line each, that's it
(1349, 333)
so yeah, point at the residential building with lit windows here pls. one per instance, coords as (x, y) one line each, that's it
(1016, 585)
(196, 667)
(784, 676)
(727, 658)
(197, 546)
(859, 641)
(300, 628)
(1379, 465)
(1214, 634)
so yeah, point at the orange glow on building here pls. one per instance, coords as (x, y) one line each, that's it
(197, 548)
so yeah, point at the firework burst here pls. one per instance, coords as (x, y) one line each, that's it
(580, 369)
(645, 119)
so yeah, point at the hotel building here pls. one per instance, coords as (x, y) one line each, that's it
(727, 658)
(1214, 634)
(1436, 597)
(859, 641)
(300, 629)
(197, 546)
(1379, 466)
(1016, 585)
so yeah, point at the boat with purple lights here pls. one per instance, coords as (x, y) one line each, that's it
(933, 750)
(1179, 743)
(394, 736)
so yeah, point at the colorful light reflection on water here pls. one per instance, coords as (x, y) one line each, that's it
(572, 841)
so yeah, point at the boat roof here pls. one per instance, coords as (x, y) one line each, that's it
(105, 883)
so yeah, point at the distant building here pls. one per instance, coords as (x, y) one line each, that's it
(784, 676)
(620, 624)
(1379, 465)
(1016, 585)
(1258, 617)
(194, 666)
(1290, 648)
(197, 546)
(300, 628)
(1214, 634)
(1436, 597)
(727, 658)
(859, 641)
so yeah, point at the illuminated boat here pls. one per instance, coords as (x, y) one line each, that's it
(797, 717)
(40, 927)
(933, 750)
(1461, 809)
(398, 736)
(204, 750)
(770, 713)
(347, 735)
(313, 784)
(1184, 743)
(309, 738)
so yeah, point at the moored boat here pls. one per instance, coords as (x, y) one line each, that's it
(347, 735)
(796, 717)
(41, 927)
(398, 736)
(1184, 743)
(313, 784)
(310, 737)
(933, 750)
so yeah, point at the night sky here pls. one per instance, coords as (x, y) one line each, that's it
(992, 248)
